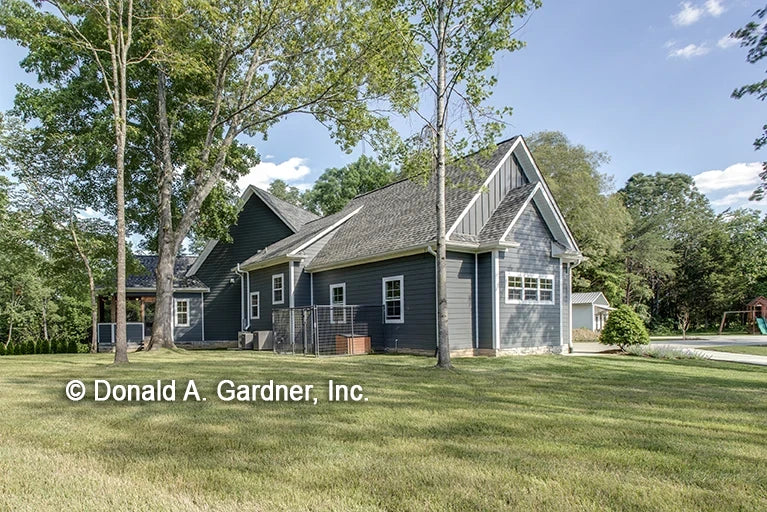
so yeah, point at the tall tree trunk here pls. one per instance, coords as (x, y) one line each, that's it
(45, 319)
(120, 43)
(443, 353)
(91, 287)
(162, 329)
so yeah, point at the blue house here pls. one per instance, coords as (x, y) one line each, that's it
(365, 277)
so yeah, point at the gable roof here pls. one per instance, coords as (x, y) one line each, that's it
(400, 217)
(291, 215)
(148, 281)
(589, 298)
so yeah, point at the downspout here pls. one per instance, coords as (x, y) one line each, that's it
(476, 302)
(572, 265)
(242, 275)
(436, 297)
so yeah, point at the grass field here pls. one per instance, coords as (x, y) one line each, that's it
(757, 350)
(524, 433)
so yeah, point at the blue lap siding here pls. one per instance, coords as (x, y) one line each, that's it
(364, 287)
(528, 325)
(194, 331)
(257, 226)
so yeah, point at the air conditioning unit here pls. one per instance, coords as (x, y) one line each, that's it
(245, 340)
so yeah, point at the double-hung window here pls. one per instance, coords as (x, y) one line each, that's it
(393, 299)
(278, 289)
(182, 312)
(338, 303)
(255, 305)
(522, 288)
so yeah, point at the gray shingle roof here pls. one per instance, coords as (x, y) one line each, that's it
(505, 213)
(588, 298)
(149, 279)
(398, 216)
(295, 217)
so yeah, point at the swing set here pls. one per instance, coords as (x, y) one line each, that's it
(755, 312)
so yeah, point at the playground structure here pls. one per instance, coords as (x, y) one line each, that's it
(755, 312)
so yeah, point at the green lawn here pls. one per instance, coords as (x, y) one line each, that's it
(522, 433)
(757, 350)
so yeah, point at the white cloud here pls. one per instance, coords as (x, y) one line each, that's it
(737, 175)
(727, 42)
(732, 199)
(264, 173)
(690, 51)
(688, 15)
(714, 8)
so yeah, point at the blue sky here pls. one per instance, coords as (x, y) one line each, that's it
(647, 82)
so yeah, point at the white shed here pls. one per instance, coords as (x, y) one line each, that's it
(590, 310)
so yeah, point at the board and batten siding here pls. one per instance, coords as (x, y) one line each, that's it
(485, 299)
(460, 300)
(509, 177)
(364, 286)
(261, 282)
(529, 325)
(257, 226)
(303, 279)
(193, 333)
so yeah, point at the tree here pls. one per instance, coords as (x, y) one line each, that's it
(291, 194)
(454, 44)
(596, 216)
(88, 44)
(337, 186)
(50, 173)
(624, 328)
(754, 37)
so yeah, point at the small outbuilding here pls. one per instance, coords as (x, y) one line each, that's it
(590, 310)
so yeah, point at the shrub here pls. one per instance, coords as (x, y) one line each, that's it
(582, 334)
(624, 328)
(2, 349)
(29, 347)
(72, 347)
(45, 347)
(83, 348)
(665, 352)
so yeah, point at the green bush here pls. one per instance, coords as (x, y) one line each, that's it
(72, 348)
(83, 348)
(45, 347)
(624, 328)
(2, 349)
(13, 349)
(29, 347)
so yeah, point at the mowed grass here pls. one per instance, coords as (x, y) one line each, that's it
(756, 350)
(522, 433)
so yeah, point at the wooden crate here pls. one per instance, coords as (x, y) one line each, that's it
(356, 345)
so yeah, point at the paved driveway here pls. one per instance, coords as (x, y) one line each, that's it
(698, 344)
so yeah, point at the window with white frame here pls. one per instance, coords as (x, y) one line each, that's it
(393, 299)
(522, 288)
(278, 287)
(338, 301)
(182, 312)
(255, 305)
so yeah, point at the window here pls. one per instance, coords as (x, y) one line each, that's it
(182, 313)
(338, 301)
(393, 293)
(278, 295)
(255, 305)
(529, 288)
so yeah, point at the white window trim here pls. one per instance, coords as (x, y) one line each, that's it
(333, 306)
(250, 306)
(524, 275)
(282, 289)
(401, 279)
(188, 313)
